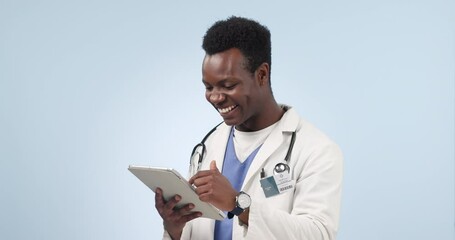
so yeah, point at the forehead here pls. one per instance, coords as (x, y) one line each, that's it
(223, 65)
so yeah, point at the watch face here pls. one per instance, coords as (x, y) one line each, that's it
(244, 201)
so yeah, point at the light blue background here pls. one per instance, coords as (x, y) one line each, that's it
(89, 87)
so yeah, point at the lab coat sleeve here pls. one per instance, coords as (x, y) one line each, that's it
(185, 234)
(315, 206)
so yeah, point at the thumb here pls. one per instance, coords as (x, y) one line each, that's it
(213, 165)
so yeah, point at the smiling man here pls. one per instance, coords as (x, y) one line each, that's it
(275, 174)
(244, 99)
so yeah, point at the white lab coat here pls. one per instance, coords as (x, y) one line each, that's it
(310, 212)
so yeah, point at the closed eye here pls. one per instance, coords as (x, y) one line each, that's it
(230, 87)
(208, 87)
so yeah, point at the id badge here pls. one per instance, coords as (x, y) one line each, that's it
(284, 182)
(269, 186)
(277, 184)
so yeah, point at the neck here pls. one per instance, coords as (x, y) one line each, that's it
(270, 114)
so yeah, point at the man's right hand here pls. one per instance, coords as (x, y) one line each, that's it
(174, 219)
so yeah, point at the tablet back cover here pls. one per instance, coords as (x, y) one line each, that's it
(172, 183)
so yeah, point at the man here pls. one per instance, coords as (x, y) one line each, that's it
(276, 175)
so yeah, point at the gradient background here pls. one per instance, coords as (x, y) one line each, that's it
(89, 87)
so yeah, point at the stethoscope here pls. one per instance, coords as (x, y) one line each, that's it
(279, 167)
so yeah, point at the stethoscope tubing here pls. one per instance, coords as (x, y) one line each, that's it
(202, 145)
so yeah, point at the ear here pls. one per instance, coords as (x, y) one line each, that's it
(262, 74)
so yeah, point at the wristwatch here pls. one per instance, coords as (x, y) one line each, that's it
(242, 202)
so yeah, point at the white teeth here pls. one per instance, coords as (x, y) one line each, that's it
(226, 110)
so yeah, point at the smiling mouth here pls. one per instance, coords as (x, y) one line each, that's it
(228, 109)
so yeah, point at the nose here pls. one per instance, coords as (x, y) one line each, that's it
(216, 97)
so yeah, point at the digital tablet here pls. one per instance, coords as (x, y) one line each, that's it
(172, 183)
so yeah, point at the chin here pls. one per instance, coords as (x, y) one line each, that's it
(231, 122)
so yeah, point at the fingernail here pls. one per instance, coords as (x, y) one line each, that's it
(177, 197)
(191, 206)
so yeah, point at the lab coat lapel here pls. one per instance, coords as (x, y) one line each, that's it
(218, 147)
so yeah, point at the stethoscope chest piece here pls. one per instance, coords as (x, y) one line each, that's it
(281, 168)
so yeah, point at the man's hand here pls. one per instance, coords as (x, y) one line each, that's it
(174, 219)
(214, 188)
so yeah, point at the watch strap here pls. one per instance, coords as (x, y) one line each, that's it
(236, 211)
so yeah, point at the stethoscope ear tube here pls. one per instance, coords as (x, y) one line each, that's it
(291, 146)
(202, 145)
(194, 150)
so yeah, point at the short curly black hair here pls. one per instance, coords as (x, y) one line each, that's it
(247, 35)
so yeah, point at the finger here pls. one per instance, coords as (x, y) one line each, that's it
(159, 201)
(206, 196)
(191, 181)
(159, 191)
(202, 181)
(172, 203)
(199, 175)
(196, 176)
(204, 189)
(191, 216)
(185, 210)
(213, 166)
